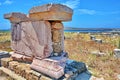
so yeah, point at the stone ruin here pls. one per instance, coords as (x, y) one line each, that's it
(38, 38)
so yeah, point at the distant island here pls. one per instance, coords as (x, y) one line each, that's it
(70, 29)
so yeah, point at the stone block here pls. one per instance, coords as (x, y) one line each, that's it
(12, 65)
(5, 61)
(68, 74)
(51, 12)
(45, 78)
(117, 53)
(56, 35)
(16, 17)
(57, 25)
(75, 67)
(1, 72)
(11, 74)
(4, 54)
(49, 67)
(17, 57)
(57, 48)
(28, 74)
(35, 75)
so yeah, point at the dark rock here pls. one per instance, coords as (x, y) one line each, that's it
(74, 67)
(117, 53)
(3, 54)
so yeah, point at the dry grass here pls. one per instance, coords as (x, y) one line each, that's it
(79, 48)
(5, 40)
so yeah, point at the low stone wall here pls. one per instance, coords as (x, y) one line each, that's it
(22, 71)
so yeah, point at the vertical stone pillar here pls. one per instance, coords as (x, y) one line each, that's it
(57, 37)
(19, 42)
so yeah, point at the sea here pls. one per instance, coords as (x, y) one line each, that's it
(88, 31)
(85, 30)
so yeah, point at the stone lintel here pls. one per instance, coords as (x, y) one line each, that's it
(51, 12)
(16, 17)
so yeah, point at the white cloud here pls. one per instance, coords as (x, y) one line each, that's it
(8, 2)
(72, 3)
(87, 11)
(94, 12)
(108, 13)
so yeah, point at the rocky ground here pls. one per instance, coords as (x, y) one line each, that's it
(80, 48)
(104, 66)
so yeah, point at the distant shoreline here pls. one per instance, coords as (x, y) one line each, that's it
(69, 29)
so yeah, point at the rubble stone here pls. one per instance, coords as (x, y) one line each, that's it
(5, 61)
(4, 54)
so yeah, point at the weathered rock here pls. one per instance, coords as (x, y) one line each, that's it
(17, 57)
(12, 65)
(43, 31)
(36, 33)
(28, 75)
(16, 17)
(75, 67)
(57, 48)
(35, 75)
(118, 76)
(4, 54)
(98, 40)
(117, 53)
(56, 35)
(68, 75)
(5, 61)
(53, 12)
(12, 75)
(49, 67)
(57, 25)
(95, 78)
(45, 78)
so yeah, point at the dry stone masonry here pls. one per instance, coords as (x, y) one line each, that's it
(38, 38)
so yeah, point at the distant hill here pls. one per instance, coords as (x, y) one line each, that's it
(91, 29)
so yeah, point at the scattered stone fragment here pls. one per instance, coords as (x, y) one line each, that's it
(5, 61)
(45, 78)
(12, 65)
(4, 54)
(11, 74)
(117, 53)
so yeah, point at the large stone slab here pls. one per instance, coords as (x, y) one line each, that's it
(51, 12)
(35, 40)
(16, 17)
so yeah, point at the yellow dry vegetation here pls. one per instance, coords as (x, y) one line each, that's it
(79, 47)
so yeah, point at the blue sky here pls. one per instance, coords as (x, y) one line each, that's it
(87, 13)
